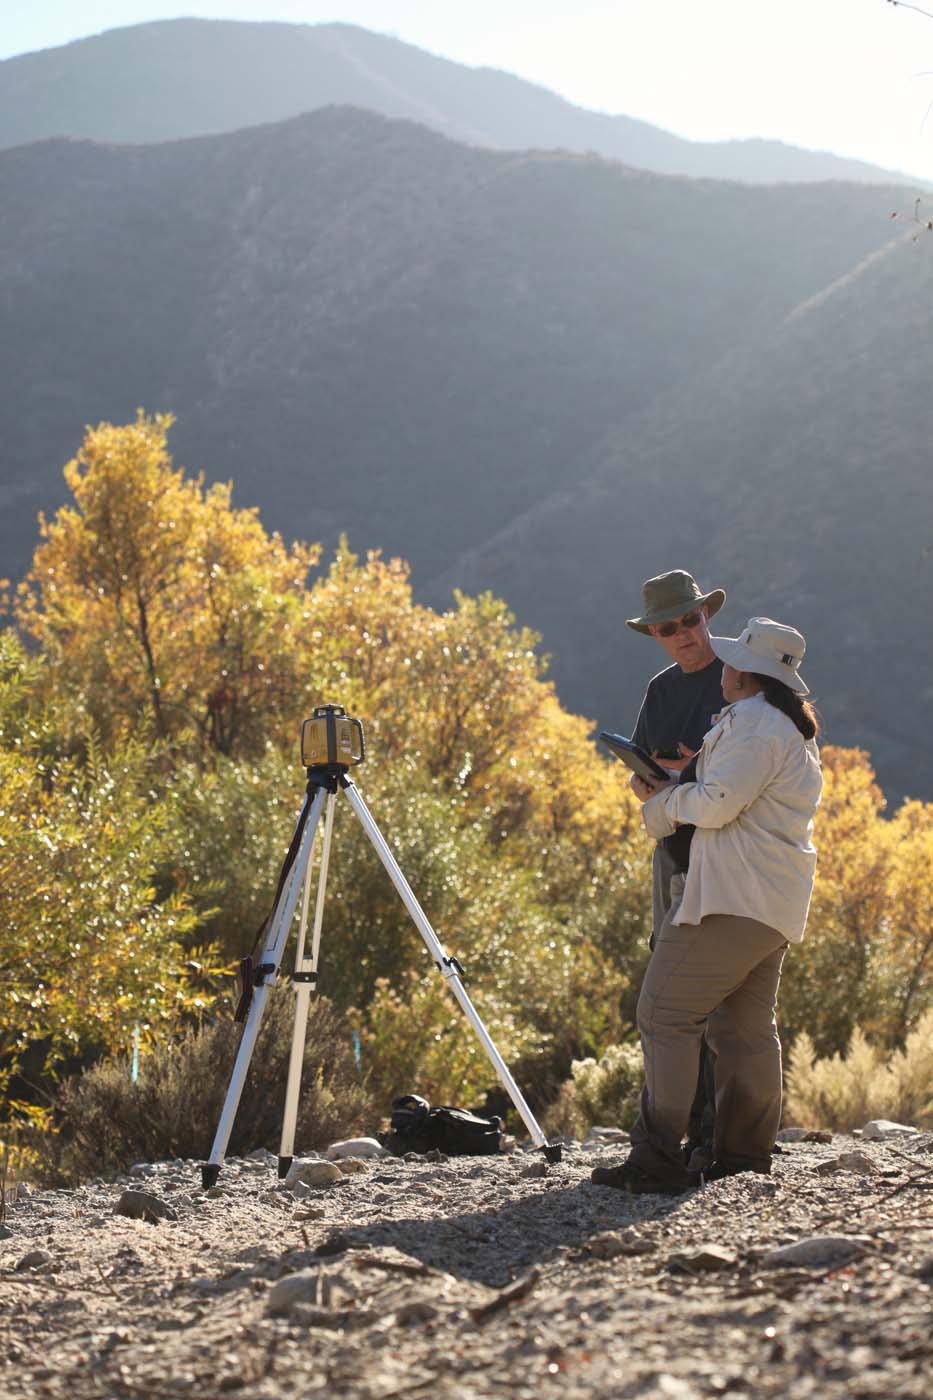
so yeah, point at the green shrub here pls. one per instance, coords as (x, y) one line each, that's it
(846, 1091)
(603, 1092)
(105, 1121)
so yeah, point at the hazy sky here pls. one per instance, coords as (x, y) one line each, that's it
(851, 76)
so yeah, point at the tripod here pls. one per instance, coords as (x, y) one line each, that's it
(325, 782)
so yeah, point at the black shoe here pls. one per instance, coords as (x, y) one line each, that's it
(717, 1171)
(637, 1182)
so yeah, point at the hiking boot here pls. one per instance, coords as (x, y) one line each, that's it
(717, 1171)
(633, 1179)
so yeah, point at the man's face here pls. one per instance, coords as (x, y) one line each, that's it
(688, 645)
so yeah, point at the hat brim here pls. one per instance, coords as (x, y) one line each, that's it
(644, 625)
(737, 654)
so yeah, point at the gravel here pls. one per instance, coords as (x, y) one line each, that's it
(473, 1277)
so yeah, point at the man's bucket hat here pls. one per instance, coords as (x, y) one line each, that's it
(768, 649)
(669, 596)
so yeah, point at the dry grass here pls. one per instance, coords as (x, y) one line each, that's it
(843, 1092)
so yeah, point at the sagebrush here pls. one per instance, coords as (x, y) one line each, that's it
(104, 1121)
(845, 1091)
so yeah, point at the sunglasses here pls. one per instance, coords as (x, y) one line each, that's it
(688, 622)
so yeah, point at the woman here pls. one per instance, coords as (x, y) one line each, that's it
(717, 960)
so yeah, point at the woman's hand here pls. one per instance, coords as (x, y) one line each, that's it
(643, 789)
(677, 765)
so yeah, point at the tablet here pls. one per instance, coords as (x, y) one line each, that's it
(636, 759)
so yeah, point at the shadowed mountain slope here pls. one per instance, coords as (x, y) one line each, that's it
(799, 478)
(188, 77)
(545, 374)
(370, 328)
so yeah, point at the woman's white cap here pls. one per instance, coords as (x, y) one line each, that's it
(767, 648)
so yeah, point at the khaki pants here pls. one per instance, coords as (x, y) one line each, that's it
(720, 976)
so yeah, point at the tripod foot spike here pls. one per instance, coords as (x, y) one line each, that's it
(284, 1164)
(552, 1151)
(209, 1174)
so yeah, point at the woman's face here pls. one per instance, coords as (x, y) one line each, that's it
(732, 688)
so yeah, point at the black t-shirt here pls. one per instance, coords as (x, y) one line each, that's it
(678, 708)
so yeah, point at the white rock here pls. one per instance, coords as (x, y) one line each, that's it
(596, 1134)
(847, 1162)
(356, 1147)
(817, 1252)
(318, 1287)
(313, 1173)
(792, 1134)
(880, 1128)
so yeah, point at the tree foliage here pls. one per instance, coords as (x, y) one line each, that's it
(158, 605)
(149, 785)
(96, 939)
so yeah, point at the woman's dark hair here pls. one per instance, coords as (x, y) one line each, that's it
(800, 711)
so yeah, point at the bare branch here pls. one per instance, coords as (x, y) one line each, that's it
(903, 5)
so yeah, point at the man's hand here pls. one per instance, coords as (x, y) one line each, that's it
(677, 765)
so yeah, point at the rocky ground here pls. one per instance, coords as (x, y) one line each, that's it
(478, 1277)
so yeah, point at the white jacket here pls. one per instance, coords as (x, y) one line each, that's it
(758, 786)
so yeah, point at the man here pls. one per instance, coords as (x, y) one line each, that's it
(676, 713)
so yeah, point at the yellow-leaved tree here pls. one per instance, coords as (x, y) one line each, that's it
(161, 609)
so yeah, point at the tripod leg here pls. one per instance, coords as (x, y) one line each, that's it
(449, 969)
(271, 958)
(305, 980)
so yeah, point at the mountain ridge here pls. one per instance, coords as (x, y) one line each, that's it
(171, 78)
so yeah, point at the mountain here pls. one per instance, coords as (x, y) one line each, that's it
(799, 478)
(547, 374)
(177, 78)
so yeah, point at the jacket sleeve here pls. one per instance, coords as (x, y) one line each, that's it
(735, 771)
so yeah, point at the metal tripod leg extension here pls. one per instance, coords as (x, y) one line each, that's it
(266, 975)
(448, 967)
(305, 983)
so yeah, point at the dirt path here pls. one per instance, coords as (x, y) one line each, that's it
(477, 1277)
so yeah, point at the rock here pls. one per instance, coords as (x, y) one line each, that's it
(262, 1154)
(337, 1243)
(608, 1245)
(418, 1311)
(5, 1232)
(303, 1287)
(794, 1135)
(705, 1259)
(880, 1128)
(352, 1166)
(819, 1135)
(924, 1269)
(607, 1135)
(35, 1259)
(434, 1154)
(140, 1205)
(667, 1387)
(301, 1190)
(364, 1148)
(313, 1173)
(311, 1213)
(848, 1162)
(534, 1169)
(611, 1244)
(817, 1252)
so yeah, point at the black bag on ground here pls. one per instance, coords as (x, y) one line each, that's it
(417, 1127)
